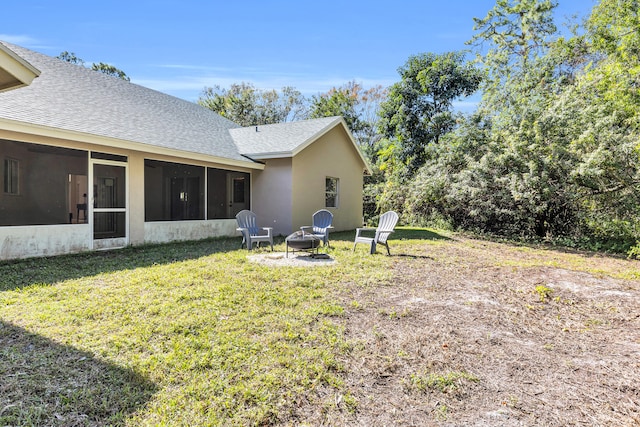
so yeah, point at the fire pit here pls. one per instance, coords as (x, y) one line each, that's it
(302, 241)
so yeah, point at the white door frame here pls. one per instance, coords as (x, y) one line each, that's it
(109, 243)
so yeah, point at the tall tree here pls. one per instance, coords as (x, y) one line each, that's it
(517, 33)
(357, 105)
(248, 106)
(419, 108)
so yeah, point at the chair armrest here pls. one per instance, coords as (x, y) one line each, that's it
(269, 230)
(306, 227)
(358, 230)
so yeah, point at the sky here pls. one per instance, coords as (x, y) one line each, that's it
(180, 47)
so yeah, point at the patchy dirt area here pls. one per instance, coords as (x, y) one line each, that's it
(471, 333)
(293, 259)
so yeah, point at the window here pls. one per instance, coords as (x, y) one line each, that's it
(11, 167)
(331, 192)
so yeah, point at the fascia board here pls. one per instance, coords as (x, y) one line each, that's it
(44, 131)
(21, 70)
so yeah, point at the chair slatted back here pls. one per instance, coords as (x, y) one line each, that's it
(247, 219)
(387, 223)
(321, 221)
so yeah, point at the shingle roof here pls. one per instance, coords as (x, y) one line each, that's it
(281, 139)
(74, 98)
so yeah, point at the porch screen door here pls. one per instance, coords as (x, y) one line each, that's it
(109, 205)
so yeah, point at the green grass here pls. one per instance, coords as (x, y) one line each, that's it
(194, 334)
(180, 334)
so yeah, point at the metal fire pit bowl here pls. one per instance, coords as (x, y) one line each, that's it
(302, 241)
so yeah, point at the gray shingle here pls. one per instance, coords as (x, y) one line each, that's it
(281, 139)
(74, 98)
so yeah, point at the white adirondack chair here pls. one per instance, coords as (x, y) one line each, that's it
(387, 223)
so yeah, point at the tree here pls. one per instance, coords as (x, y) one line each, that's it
(419, 108)
(248, 106)
(70, 57)
(614, 28)
(109, 70)
(101, 67)
(359, 108)
(517, 34)
(556, 153)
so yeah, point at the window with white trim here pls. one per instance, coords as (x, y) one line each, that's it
(331, 192)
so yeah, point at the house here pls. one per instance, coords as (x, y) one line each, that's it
(90, 161)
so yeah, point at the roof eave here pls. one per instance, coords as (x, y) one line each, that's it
(19, 71)
(269, 155)
(45, 131)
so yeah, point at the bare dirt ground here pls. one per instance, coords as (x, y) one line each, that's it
(474, 333)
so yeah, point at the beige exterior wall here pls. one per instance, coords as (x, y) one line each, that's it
(271, 191)
(333, 155)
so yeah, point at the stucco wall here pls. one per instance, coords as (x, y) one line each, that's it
(170, 231)
(44, 240)
(333, 155)
(271, 196)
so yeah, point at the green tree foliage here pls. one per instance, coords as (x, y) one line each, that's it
(71, 58)
(516, 35)
(554, 149)
(101, 67)
(358, 106)
(109, 70)
(419, 108)
(248, 106)
(614, 28)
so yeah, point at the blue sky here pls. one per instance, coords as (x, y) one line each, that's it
(181, 46)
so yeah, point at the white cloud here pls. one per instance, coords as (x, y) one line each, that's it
(21, 40)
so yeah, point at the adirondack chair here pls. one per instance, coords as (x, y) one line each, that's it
(321, 221)
(251, 233)
(387, 223)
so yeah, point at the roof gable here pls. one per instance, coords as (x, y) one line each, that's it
(287, 139)
(15, 71)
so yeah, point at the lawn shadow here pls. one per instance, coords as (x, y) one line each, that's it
(400, 233)
(46, 383)
(16, 274)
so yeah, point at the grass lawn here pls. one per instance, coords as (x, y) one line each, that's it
(447, 330)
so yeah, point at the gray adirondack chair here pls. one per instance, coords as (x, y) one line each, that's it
(251, 233)
(387, 223)
(321, 221)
